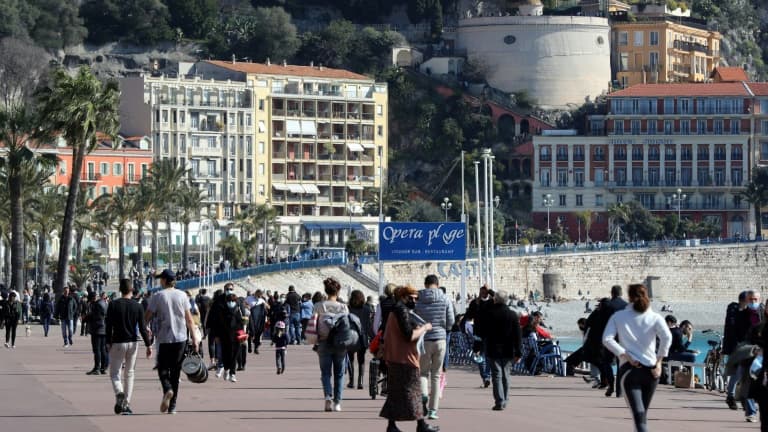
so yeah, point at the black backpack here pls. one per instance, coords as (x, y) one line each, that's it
(346, 331)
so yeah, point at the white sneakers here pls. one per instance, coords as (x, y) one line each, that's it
(166, 401)
(219, 372)
(232, 378)
(337, 407)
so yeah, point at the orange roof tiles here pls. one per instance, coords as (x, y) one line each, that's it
(729, 74)
(291, 70)
(759, 89)
(683, 89)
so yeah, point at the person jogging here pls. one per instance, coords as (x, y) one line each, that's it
(637, 328)
(125, 317)
(170, 309)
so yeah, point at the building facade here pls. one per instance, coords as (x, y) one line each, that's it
(655, 140)
(659, 50)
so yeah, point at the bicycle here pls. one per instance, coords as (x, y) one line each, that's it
(714, 363)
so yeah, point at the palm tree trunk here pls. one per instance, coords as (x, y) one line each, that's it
(758, 222)
(40, 264)
(170, 242)
(155, 246)
(79, 234)
(7, 262)
(185, 247)
(17, 233)
(65, 242)
(139, 246)
(120, 254)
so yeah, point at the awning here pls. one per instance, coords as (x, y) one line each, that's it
(280, 186)
(311, 189)
(355, 147)
(355, 187)
(293, 127)
(308, 127)
(315, 226)
(368, 145)
(296, 188)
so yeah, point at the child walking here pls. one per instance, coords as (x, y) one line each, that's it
(281, 345)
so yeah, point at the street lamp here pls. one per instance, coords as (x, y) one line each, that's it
(548, 203)
(446, 205)
(677, 199)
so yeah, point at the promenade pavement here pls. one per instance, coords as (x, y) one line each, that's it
(43, 387)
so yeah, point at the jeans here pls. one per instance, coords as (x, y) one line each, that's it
(99, 346)
(484, 367)
(169, 358)
(24, 313)
(67, 328)
(331, 363)
(119, 354)
(638, 386)
(430, 366)
(46, 321)
(280, 359)
(294, 328)
(500, 368)
(10, 333)
(750, 408)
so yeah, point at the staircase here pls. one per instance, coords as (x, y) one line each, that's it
(361, 277)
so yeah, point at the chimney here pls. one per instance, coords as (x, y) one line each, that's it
(234, 59)
(311, 64)
(268, 62)
(285, 63)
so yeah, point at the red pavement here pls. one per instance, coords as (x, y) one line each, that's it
(43, 388)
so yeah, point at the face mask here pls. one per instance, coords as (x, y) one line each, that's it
(410, 304)
(754, 306)
(231, 304)
(228, 292)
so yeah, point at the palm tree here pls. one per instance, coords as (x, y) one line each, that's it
(48, 211)
(163, 181)
(78, 107)
(144, 205)
(619, 214)
(190, 200)
(264, 216)
(18, 164)
(244, 221)
(585, 217)
(85, 221)
(115, 211)
(755, 194)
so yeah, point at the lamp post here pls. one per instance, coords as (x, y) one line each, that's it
(481, 273)
(446, 205)
(677, 199)
(548, 202)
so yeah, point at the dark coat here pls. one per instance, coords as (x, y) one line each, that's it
(596, 323)
(97, 313)
(364, 315)
(66, 308)
(387, 305)
(223, 321)
(258, 318)
(478, 310)
(503, 336)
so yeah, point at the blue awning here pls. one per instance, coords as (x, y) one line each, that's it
(315, 226)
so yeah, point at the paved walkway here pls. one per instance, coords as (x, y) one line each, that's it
(43, 387)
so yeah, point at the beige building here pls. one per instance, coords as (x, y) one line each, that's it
(659, 50)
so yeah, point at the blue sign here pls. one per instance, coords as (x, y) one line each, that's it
(422, 241)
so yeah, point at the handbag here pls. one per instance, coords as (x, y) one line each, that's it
(241, 335)
(311, 332)
(684, 378)
(375, 344)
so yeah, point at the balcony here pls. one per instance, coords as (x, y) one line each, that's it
(545, 157)
(132, 178)
(90, 177)
(562, 157)
(578, 157)
(688, 47)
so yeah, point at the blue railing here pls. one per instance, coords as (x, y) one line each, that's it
(263, 269)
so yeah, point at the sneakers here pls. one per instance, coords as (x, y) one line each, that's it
(486, 383)
(103, 371)
(432, 415)
(337, 407)
(127, 410)
(120, 404)
(328, 405)
(232, 378)
(172, 410)
(92, 372)
(219, 372)
(731, 402)
(6, 345)
(66, 345)
(751, 418)
(166, 401)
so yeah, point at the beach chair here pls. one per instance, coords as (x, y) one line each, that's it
(536, 359)
(459, 349)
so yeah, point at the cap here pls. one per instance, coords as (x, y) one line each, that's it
(166, 274)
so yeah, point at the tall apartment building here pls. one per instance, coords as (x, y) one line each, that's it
(657, 139)
(310, 140)
(662, 49)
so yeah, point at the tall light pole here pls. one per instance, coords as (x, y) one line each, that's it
(481, 272)
(548, 202)
(677, 199)
(381, 219)
(486, 155)
(446, 205)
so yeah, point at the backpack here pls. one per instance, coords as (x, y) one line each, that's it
(46, 309)
(346, 331)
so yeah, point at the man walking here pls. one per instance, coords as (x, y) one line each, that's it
(66, 312)
(293, 300)
(477, 312)
(97, 313)
(171, 310)
(503, 340)
(435, 308)
(125, 317)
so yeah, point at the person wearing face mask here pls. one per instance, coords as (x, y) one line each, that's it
(746, 319)
(476, 311)
(225, 319)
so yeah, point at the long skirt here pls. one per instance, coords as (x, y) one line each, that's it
(403, 393)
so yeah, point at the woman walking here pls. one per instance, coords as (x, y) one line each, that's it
(12, 316)
(637, 328)
(359, 308)
(225, 320)
(402, 357)
(46, 312)
(331, 358)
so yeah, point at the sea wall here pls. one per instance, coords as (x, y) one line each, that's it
(686, 274)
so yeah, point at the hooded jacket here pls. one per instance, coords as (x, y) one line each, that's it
(435, 308)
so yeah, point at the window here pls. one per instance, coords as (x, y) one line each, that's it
(578, 153)
(623, 62)
(379, 110)
(249, 170)
(764, 126)
(562, 177)
(702, 175)
(653, 39)
(195, 167)
(182, 117)
(182, 143)
(637, 153)
(735, 127)
(637, 176)
(720, 153)
(262, 190)
(654, 59)
(621, 153)
(651, 127)
(719, 177)
(262, 147)
(764, 150)
(623, 38)
(165, 116)
(578, 177)
(195, 142)
(647, 200)
(618, 127)
(719, 127)
(702, 152)
(579, 200)
(544, 154)
(620, 175)
(685, 106)
(669, 152)
(63, 167)
(669, 106)
(668, 126)
(104, 169)
(685, 153)
(562, 153)
(545, 177)
(248, 120)
(736, 153)
(686, 174)
(261, 104)
(562, 200)
(261, 169)
(117, 169)
(599, 154)
(639, 38)
(635, 127)
(737, 176)
(262, 126)
(380, 130)
(165, 143)
(764, 106)
(685, 127)
(599, 173)
(619, 198)
(248, 146)
(653, 176)
(670, 177)
(211, 192)
(599, 200)
(701, 127)
(103, 190)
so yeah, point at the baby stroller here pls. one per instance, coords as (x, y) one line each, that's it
(377, 378)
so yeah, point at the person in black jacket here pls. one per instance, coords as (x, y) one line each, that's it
(66, 313)
(125, 317)
(256, 321)
(503, 345)
(225, 319)
(477, 311)
(359, 308)
(594, 351)
(97, 313)
(293, 300)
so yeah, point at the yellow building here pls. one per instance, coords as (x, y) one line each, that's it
(661, 50)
